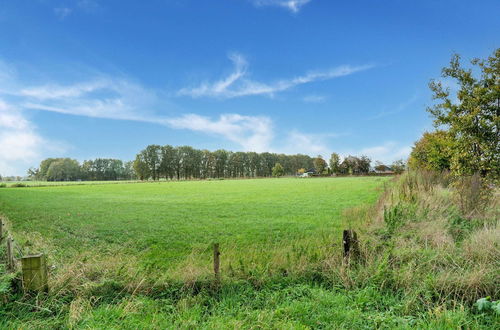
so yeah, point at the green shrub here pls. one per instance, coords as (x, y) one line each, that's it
(18, 185)
(3, 185)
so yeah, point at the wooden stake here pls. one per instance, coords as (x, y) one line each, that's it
(217, 261)
(35, 273)
(1, 230)
(351, 245)
(11, 262)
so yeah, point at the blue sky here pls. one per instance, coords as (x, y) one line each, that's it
(95, 78)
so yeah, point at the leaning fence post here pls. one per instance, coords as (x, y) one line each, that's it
(35, 273)
(11, 262)
(216, 262)
(1, 230)
(351, 245)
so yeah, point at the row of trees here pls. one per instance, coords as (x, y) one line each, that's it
(168, 162)
(467, 120)
(66, 169)
(185, 162)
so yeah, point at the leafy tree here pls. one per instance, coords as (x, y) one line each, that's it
(433, 151)
(64, 169)
(152, 158)
(141, 168)
(33, 173)
(355, 165)
(472, 114)
(128, 171)
(319, 164)
(363, 165)
(44, 167)
(379, 166)
(335, 163)
(278, 170)
(398, 166)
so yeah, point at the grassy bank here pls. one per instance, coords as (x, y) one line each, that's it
(426, 259)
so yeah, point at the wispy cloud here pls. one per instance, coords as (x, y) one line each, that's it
(306, 143)
(314, 98)
(20, 143)
(252, 133)
(397, 109)
(62, 12)
(292, 5)
(387, 152)
(236, 84)
(103, 97)
(86, 6)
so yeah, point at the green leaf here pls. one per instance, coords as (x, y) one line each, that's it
(495, 306)
(483, 304)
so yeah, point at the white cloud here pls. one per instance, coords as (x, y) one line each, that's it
(309, 144)
(252, 133)
(20, 144)
(387, 152)
(103, 97)
(236, 84)
(314, 98)
(293, 5)
(397, 109)
(62, 12)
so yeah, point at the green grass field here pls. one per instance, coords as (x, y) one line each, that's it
(164, 222)
(139, 256)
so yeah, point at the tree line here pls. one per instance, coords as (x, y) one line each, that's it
(67, 169)
(184, 162)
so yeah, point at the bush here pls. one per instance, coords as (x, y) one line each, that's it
(3, 185)
(18, 185)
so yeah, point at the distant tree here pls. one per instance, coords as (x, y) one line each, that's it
(128, 171)
(141, 168)
(33, 174)
(472, 115)
(64, 169)
(168, 162)
(301, 171)
(221, 156)
(363, 165)
(398, 166)
(152, 159)
(335, 163)
(278, 170)
(319, 164)
(434, 151)
(44, 167)
(379, 166)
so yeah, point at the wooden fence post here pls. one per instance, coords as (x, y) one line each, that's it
(217, 262)
(10, 254)
(1, 230)
(11, 262)
(351, 245)
(35, 273)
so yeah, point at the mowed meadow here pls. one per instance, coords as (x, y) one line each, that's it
(162, 224)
